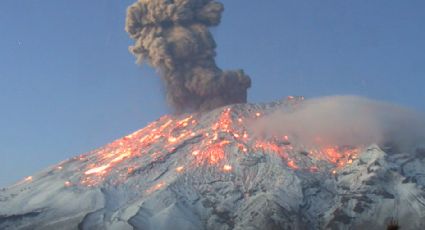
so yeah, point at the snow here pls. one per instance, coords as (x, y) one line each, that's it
(259, 191)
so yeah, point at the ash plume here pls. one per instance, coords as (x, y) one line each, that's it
(347, 120)
(173, 36)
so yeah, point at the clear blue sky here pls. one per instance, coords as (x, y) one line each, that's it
(68, 83)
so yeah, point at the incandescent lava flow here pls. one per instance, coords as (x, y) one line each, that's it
(206, 144)
(212, 171)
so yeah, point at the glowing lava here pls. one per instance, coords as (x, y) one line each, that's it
(155, 187)
(209, 143)
(180, 169)
(227, 168)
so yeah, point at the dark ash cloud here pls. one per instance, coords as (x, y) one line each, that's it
(173, 36)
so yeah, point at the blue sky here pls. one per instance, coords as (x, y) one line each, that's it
(68, 83)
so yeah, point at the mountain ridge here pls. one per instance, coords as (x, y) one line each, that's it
(211, 171)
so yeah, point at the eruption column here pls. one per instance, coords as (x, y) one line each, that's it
(173, 36)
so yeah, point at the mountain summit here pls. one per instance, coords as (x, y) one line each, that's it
(212, 171)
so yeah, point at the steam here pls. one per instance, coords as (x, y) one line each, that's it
(347, 120)
(173, 36)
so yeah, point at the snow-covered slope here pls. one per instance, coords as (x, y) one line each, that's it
(208, 171)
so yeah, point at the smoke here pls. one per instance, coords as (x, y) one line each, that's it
(346, 120)
(173, 36)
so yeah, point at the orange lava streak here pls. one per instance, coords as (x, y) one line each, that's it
(212, 155)
(133, 144)
(224, 122)
(167, 134)
(180, 169)
(184, 122)
(332, 154)
(340, 156)
(126, 147)
(155, 187)
(269, 147)
(227, 168)
(292, 164)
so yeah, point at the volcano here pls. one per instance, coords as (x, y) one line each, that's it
(211, 171)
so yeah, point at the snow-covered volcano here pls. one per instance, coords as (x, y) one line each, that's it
(209, 171)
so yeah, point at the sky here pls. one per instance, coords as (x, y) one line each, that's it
(69, 85)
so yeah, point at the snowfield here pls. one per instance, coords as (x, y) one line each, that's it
(209, 171)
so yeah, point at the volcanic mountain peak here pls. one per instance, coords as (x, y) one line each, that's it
(213, 171)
